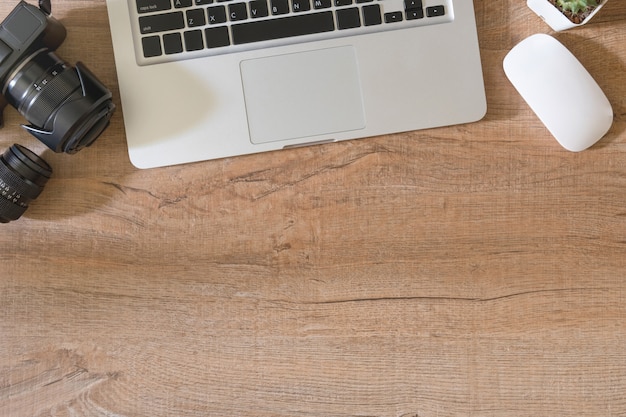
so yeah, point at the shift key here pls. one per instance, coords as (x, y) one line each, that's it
(161, 22)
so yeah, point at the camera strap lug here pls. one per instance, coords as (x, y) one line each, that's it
(45, 6)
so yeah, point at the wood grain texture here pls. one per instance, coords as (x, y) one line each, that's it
(474, 270)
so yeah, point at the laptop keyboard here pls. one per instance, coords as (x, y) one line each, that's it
(170, 30)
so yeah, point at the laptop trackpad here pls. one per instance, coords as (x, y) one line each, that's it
(302, 94)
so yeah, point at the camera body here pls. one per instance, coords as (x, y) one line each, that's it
(25, 30)
(67, 107)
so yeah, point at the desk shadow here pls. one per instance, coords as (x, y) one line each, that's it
(72, 195)
(495, 38)
(176, 97)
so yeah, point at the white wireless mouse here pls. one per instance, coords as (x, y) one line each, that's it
(560, 91)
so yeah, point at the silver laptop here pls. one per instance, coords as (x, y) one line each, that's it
(207, 79)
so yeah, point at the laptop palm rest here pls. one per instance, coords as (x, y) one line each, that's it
(302, 94)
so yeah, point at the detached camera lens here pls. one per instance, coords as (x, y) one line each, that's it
(22, 178)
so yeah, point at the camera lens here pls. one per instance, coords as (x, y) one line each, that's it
(67, 106)
(22, 178)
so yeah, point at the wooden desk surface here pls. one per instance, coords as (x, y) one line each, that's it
(475, 270)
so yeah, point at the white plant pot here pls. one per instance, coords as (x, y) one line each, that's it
(553, 16)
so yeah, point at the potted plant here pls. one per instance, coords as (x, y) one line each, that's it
(565, 14)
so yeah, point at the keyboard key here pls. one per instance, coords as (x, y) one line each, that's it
(279, 6)
(371, 15)
(284, 27)
(348, 18)
(258, 8)
(414, 14)
(435, 11)
(340, 3)
(393, 17)
(195, 17)
(151, 46)
(321, 4)
(216, 14)
(182, 3)
(412, 4)
(193, 40)
(216, 37)
(172, 43)
(149, 6)
(300, 5)
(237, 11)
(161, 22)
(202, 2)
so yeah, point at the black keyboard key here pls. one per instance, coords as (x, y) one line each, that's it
(149, 6)
(193, 40)
(393, 17)
(202, 2)
(216, 14)
(340, 3)
(414, 14)
(284, 27)
(435, 11)
(300, 5)
(412, 4)
(172, 43)
(322, 4)
(279, 6)
(182, 3)
(195, 17)
(237, 11)
(372, 15)
(217, 37)
(151, 46)
(348, 18)
(161, 22)
(258, 8)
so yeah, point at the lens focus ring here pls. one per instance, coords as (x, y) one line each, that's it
(22, 178)
(44, 100)
(10, 211)
(14, 187)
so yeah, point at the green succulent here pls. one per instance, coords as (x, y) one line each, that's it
(576, 6)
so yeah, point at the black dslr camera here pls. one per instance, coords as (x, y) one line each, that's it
(67, 107)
